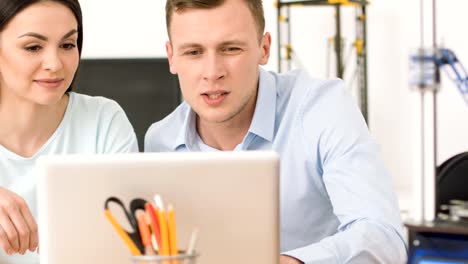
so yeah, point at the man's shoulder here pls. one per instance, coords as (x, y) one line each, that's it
(303, 82)
(162, 135)
(298, 87)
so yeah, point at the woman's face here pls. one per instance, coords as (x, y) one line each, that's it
(39, 54)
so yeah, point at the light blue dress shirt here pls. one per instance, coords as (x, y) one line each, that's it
(337, 200)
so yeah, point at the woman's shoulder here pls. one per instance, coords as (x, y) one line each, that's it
(93, 104)
(91, 101)
(97, 125)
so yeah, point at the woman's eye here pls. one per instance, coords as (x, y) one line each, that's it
(34, 48)
(68, 46)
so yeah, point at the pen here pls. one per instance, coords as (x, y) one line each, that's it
(154, 242)
(127, 240)
(158, 202)
(153, 236)
(192, 242)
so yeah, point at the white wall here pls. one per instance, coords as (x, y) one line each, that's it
(115, 28)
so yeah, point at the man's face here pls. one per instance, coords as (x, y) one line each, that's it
(216, 53)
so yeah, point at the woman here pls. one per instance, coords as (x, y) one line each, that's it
(40, 47)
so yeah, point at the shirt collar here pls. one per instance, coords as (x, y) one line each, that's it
(187, 132)
(263, 121)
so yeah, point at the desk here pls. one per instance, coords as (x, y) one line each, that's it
(437, 242)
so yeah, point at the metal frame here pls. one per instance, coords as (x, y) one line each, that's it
(285, 47)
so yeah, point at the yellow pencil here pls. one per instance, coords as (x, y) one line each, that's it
(127, 240)
(172, 231)
(164, 249)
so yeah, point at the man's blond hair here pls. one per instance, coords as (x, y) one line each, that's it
(173, 6)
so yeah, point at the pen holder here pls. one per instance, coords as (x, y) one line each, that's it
(181, 258)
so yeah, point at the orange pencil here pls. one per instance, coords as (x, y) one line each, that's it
(145, 233)
(154, 223)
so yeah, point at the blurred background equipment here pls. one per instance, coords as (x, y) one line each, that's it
(355, 75)
(438, 232)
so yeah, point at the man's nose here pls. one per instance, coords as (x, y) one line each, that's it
(214, 68)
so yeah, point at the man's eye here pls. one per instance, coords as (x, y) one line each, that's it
(232, 50)
(34, 48)
(68, 46)
(192, 52)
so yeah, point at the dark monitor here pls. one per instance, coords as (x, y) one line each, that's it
(144, 88)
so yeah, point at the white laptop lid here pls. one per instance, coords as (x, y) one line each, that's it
(231, 197)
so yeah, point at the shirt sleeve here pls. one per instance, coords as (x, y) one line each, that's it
(117, 134)
(358, 185)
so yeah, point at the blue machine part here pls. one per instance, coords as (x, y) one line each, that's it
(435, 248)
(448, 61)
(440, 261)
(422, 69)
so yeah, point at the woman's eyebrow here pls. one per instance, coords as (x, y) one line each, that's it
(44, 38)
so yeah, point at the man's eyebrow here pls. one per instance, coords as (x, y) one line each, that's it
(44, 38)
(225, 43)
(233, 42)
(189, 45)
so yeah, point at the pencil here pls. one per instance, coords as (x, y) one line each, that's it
(172, 231)
(145, 233)
(127, 240)
(155, 225)
(164, 248)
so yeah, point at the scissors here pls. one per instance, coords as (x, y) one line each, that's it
(131, 239)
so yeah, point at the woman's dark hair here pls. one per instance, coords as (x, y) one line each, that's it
(10, 8)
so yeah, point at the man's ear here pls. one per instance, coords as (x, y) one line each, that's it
(170, 54)
(265, 45)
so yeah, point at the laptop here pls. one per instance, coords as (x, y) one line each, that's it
(232, 198)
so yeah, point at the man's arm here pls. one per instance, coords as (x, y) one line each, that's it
(362, 242)
(358, 185)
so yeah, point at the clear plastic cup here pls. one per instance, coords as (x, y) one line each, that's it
(181, 258)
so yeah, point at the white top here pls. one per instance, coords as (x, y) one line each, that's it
(91, 125)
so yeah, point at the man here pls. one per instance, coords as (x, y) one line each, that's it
(337, 203)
